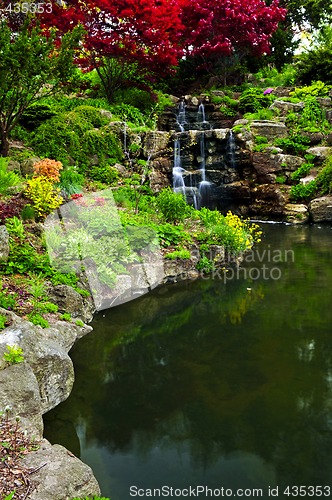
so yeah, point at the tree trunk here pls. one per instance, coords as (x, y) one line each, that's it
(4, 142)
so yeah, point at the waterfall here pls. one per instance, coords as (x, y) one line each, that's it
(178, 180)
(230, 150)
(201, 114)
(204, 185)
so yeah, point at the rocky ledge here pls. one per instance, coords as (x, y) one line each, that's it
(32, 388)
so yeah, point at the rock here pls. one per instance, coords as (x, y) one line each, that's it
(14, 166)
(70, 301)
(321, 153)
(4, 244)
(314, 137)
(27, 166)
(19, 391)
(61, 475)
(285, 107)
(123, 171)
(155, 143)
(329, 115)
(289, 162)
(325, 102)
(296, 213)
(217, 93)
(106, 113)
(268, 200)
(269, 129)
(329, 138)
(321, 209)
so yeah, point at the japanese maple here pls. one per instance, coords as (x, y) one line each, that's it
(216, 28)
(142, 36)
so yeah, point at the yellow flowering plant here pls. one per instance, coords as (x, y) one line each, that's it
(43, 195)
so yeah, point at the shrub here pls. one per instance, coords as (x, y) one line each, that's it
(294, 145)
(303, 191)
(65, 317)
(15, 227)
(36, 114)
(44, 196)
(253, 99)
(48, 168)
(7, 179)
(302, 171)
(173, 206)
(14, 355)
(182, 253)
(3, 321)
(11, 208)
(324, 177)
(37, 319)
(71, 181)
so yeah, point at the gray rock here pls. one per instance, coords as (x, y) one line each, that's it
(285, 107)
(296, 213)
(155, 143)
(4, 244)
(321, 153)
(269, 129)
(70, 301)
(61, 476)
(14, 166)
(27, 166)
(321, 209)
(19, 391)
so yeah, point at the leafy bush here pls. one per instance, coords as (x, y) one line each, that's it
(294, 144)
(324, 177)
(7, 179)
(253, 99)
(182, 253)
(11, 208)
(173, 206)
(14, 355)
(171, 235)
(317, 89)
(261, 114)
(44, 196)
(303, 191)
(3, 321)
(302, 171)
(71, 181)
(48, 168)
(129, 113)
(36, 114)
(15, 227)
(37, 319)
(65, 317)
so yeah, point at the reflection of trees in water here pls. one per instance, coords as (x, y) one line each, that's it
(219, 368)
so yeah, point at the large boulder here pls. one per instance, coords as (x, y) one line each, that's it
(320, 153)
(296, 213)
(4, 244)
(268, 201)
(321, 209)
(19, 394)
(269, 129)
(70, 301)
(284, 107)
(59, 474)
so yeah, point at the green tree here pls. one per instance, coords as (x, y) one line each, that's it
(316, 62)
(31, 67)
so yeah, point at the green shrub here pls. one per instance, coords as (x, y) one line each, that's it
(303, 191)
(294, 144)
(36, 114)
(3, 321)
(253, 99)
(205, 264)
(324, 177)
(260, 139)
(182, 253)
(65, 317)
(37, 319)
(129, 113)
(14, 355)
(281, 179)
(302, 171)
(71, 181)
(7, 179)
(260, 114)
(173, 206)
(171, 235)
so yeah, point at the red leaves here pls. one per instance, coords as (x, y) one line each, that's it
(234, 25)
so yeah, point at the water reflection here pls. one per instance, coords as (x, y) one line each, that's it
(211, 383)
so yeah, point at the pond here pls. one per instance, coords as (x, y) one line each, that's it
(223, 382)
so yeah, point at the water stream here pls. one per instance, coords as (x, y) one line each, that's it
(221, 382)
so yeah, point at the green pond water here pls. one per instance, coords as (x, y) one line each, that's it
(218, 383)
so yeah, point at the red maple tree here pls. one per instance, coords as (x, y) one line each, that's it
(143, 37)
(216, 28)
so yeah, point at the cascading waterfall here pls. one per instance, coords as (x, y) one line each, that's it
(230, 151)
(178, 180)
(204, 185)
